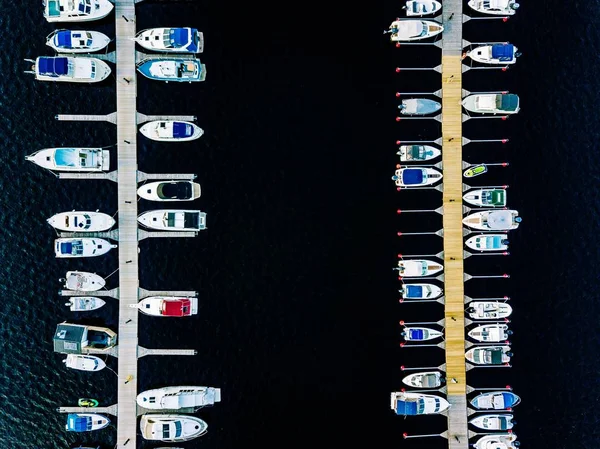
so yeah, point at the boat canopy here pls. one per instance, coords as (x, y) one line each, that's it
(63, 39)
(503, 423)
(494, 197)
(503, 400)
(79, 423)
(416, 334)
(496, 356)
(430, 380)
(181, 129)
(493, 242)
(507, 102)
(409, 407)
(412, 176)
(500, 219)
(191, 220)
(414, 291)
(65, 157)
(73, 248)
(503, 52)
(176, 308)
(53, 66)
(178, 190)
(409, 28)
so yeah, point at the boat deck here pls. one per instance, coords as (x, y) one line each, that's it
(457, 434)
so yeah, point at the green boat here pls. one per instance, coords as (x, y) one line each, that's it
(87, 402)
(486, 197)
(476, 170)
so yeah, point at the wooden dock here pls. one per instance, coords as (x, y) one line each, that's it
(458, 433)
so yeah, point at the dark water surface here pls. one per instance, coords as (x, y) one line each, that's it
(298, 319)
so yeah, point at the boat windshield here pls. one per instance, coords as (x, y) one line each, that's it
(423, 268)
(420, 406)
(178, 429)
(187, 69)
(84, 7)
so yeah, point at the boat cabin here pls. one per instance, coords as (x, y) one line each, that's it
(80, 339)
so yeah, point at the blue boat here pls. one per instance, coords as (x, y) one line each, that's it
(176, 69)
(172, 40)
(495, 400)
(86, 422)
(419, 106)
(411, 404)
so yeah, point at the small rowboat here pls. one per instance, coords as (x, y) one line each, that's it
(418, 268)
(87, 402)
(475, 170)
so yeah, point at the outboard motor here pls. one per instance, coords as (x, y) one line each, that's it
(510, 354)
(509, 332)
(471, 309)
(516, 443)
(515, 6)
(518, 54)
(505, 242)
(514, 421)
(518, 220)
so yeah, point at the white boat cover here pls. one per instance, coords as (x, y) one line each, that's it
(499, 4)
(409, 28)
(500, 219)
(486, 102)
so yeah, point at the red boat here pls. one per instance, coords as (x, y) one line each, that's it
(169, 306)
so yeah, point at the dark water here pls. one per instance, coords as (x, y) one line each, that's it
(298, 320)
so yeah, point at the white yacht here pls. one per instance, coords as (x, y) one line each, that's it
(76, 41)
(493, 220)
(490, 333)
(171, 131)
(76, 10)
(83, 281)
(413, 29)
(72, 159)
(86, 422)
(495, 7)
(426, 379)
(173, 220)
(497, 441)
(70, 69)
(496, 54)
(492, 103)
(84, 303)
(418, 268)
(174, 69)
(494, 422)
(171, 40)
(422, 7)
(170, 191)
(418, 153)
(172, 428)
(81, 247)
(83, 362)
(488, 310)
(420, 291)
(488, 242)
(416, 177)
(81, 221)
(489, 355)
(175, 398)
(168, 306)
(409, 404)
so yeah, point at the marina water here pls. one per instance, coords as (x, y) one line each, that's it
(298, 315)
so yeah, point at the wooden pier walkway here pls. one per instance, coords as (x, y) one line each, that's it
(458, 433)
(141, 176)
(112, 118)
(142, 234)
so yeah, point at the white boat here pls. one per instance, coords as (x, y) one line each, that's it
(493, 422)
(502, 54)
(81, 221)
(420, 291)
(175, 398)
(168, 306)
(487, 198)
(488, 242)
(173, 220)
(414, 153)
(86, 422)
(171, 40)
(489, 355)
(172, 427)
(488, 310)
(171, 131)
(76, 10)
(170, 191)
(492, 103)
(416, 177)
(175, 69)
(419, 106)
(84, 362)
(84, 303)
(72, 159)
(71, 69)
(409, 404)
(83, 281)
(497, 441)
(495, 7)
(493, 333)
(426, 379)
(495, 400)
(493, 220)
(418, 268)
(413, 29)
(422, 7)
(77, 41)
(420, 333)
(81, 247)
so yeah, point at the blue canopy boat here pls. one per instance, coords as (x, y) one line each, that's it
(86, 422)
(502, 54)
(419, 106)
(178, 70)
(173, 40)
(412, 404)
(416, 177)
(495, 400)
